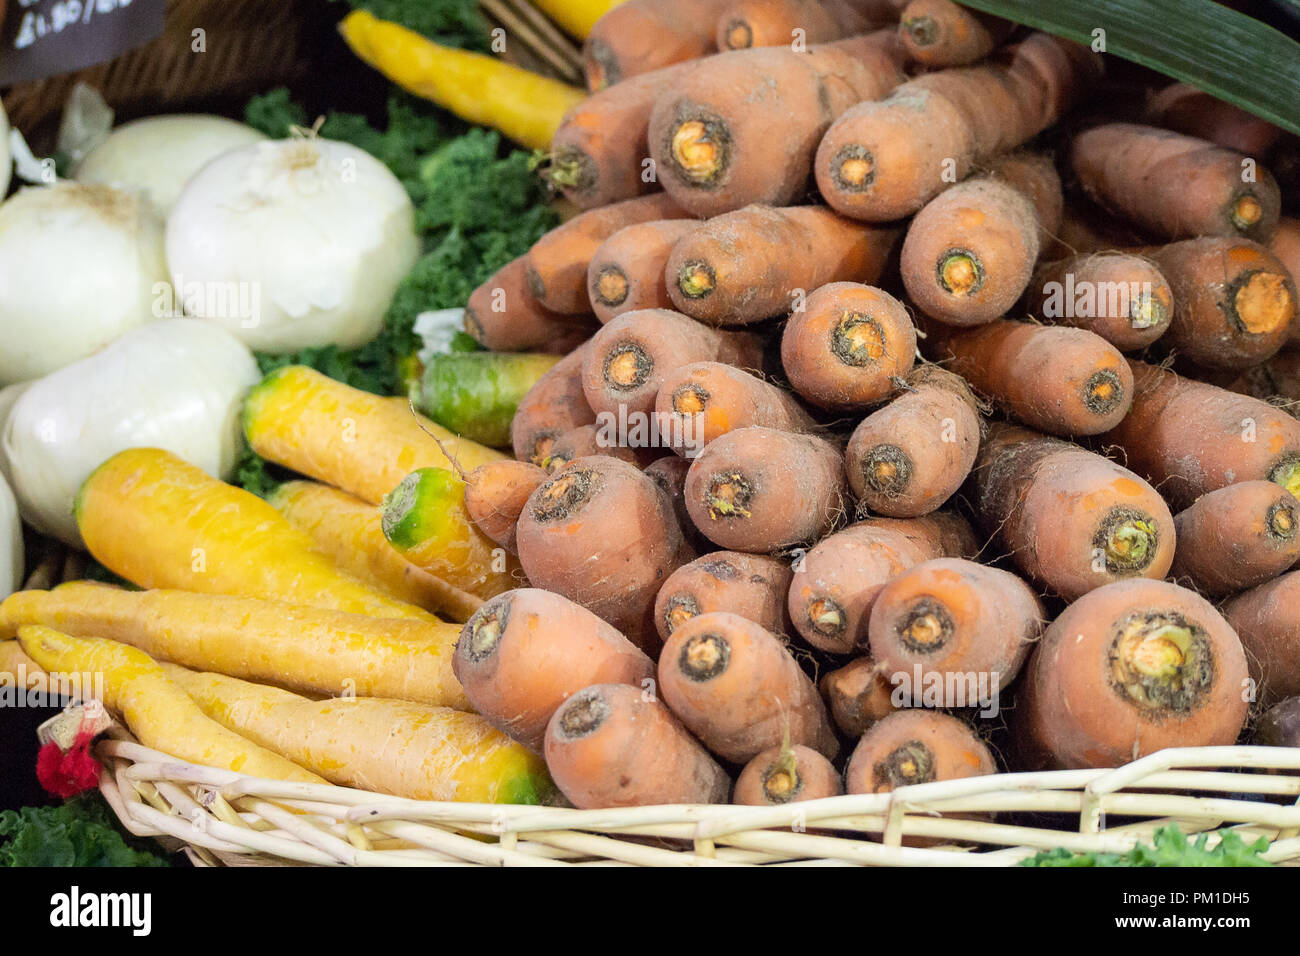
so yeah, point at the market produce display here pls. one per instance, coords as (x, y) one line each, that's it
(844, 396)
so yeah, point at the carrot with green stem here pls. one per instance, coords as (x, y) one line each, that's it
(633, 353)
(602, 534)
(953, 617)
(1237, 537)
(1122, 297)
(711, 133)
(610, 745)
(786, 774)
(1175, 186)
(738, 689)
(882, 161)
(970, 253)
(627, 272)
(350, 531)
(758, 489)
(397, 747)
(847, 346)
(839, 579)
(600, 154)
(160, 522)
(704, 400)
(643, 35)
(857, 695)
(906, 459)
(362, 443)
(426, 519)
(1059, 380)
(1071, 519)
(1188, 437)
(1264, 617)
(527, 651)
(751, 586)
(554, 405)
(916, 746)
(940, 33)
(502, 314)
(555, 268)
(1129, 669)
(761, 261)
(153, 707)
(309, 649)
(1234, 302)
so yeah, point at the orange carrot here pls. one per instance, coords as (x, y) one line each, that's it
(495, 495)
(1127, 670)
(643, 35)
(1184, 109)
(760, 23)
(786, 775)
(738, 689)
(1234, 302)
(1059, 380)
(1174, 186)
(1265, 619)
(553, 406)
(627, 272)
(858, 694)
(1237, 537)
(1122, 297)
(838, 581)
(909, 457)
(633, 353)
(556, 265)
(588, 440)
(758, 489)
(940, 33)
(969, 254)
(712, 134)
(602, 534)
(704, 400)
(611, 745)
(915, 746)
(751, 586)
(760, 261)
(527, 651)
(1188, 438)
(882, 161)
(502, 314)
(953, 617)
(848, 346)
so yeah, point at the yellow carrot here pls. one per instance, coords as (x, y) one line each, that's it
(311, 649)
(524, 105)
(349, 531)
(158, 712)
(162, 523)
(426, 521)
(389, 746)
(577, 17)
(362, 443)
(16, 668)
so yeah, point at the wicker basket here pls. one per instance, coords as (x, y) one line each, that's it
(224, 818)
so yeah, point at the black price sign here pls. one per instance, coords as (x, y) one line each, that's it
(43, 38)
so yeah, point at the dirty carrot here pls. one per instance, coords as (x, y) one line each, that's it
(502, 314)
(857, 695)
(1122, 297)
(553, 406)
(1265, 619)
(909, 457)
(1237, 537)
(526, 651)
(643, 35)
(760, 23)
(786, 774)
(915, 746)
(752, 586)
(627, 272)
(940, 33)
(495, 495)
(739, 690)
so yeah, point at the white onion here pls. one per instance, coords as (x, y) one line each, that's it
(158, 155)
(292, 244)
(6, 160)
(176, 385)
(79, 265)
(11, 543)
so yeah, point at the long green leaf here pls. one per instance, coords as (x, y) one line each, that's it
(1214, 48)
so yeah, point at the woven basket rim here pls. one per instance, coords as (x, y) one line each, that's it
(223, 817)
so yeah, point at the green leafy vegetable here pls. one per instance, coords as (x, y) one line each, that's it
(1219, 50)
(79, 832)
(1169, 848)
